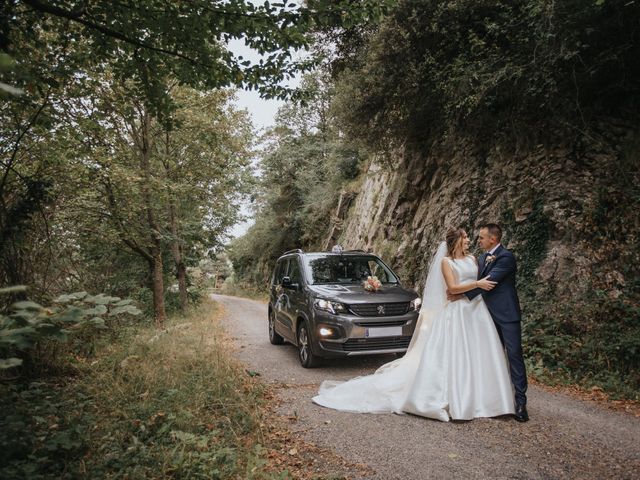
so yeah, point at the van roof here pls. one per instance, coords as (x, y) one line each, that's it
(343, 253)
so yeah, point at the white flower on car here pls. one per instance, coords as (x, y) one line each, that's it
(372, 284)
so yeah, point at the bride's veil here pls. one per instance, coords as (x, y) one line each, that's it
(434, 298)
(434, 295)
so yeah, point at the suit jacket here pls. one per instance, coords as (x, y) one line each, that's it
(502, 301)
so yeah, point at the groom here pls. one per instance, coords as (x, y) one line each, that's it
(500, 265)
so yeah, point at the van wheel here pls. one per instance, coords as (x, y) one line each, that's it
(274, 338)
(305, 355)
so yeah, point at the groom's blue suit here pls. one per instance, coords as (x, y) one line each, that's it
(504, 307)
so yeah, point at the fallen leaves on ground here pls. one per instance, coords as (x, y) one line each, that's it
(594, 394)
(286, 450)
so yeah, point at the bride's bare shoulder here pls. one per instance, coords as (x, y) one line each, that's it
(473, 258)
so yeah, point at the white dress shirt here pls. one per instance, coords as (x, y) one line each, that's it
(493, 250)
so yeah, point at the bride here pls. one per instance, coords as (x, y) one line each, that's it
(455, 367)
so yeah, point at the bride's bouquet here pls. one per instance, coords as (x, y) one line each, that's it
(372, 284)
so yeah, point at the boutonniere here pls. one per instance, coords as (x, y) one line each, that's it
(489, 259)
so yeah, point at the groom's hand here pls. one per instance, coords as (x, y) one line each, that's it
(452, 298)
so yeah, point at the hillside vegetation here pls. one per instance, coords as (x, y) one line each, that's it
(461, 112)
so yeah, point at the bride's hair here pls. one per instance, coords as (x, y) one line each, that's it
(454, 241)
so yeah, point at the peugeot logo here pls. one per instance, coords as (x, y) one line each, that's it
(381, 309)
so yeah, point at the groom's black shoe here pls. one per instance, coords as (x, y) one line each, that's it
(521, 414)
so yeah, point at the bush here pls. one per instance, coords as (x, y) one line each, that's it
(593, 344)
(71, 317)
(152, 404)
(489, 66)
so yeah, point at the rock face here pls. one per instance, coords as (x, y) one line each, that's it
(560, 208)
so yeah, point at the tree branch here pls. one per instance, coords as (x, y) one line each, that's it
(77, 17)
(132, 244)
(9, 164)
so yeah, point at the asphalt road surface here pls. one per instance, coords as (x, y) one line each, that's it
(565, 438)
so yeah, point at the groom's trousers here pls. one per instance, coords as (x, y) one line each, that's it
(511, 338)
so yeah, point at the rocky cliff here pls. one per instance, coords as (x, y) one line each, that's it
(560, 206)
(569, 212)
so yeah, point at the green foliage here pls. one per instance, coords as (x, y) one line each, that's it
(306, 167)
(42, 430)
(491, 67)
(151, 41)
(594, 338)
(150, 405)
(592, 341)
(528, 238)
(79, 95)
(167, 195)
(258, 289)
(76, 314)
(81, 233)
(172, 299)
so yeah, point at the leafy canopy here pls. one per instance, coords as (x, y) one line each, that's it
(148, 41)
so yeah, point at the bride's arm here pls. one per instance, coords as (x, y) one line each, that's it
(471, 294)
(456, 288)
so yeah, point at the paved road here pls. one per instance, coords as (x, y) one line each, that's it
(566, 438)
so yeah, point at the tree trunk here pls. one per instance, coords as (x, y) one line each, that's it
(157, 286)
(154, 230)
(176, 251)
(182, 285)
(176, 246)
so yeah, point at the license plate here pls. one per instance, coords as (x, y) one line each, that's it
(383, 332)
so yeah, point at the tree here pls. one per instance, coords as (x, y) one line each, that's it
(53, 52)
(165, 188)
(152, 40)
(305, 169)
(488, 67)
(206, 160)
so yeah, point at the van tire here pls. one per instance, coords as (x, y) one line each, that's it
(274, 337)
(305, 355)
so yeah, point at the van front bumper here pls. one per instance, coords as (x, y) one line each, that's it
(356, 335)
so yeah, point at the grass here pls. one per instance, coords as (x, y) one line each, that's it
(149, 404)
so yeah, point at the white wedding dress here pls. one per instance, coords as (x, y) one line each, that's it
(455, 366)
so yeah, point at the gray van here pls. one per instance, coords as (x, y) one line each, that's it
(319, 304)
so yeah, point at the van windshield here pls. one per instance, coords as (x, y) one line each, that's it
(346, 269)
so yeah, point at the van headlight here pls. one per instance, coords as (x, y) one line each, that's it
(415, 304)
(329, 306)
